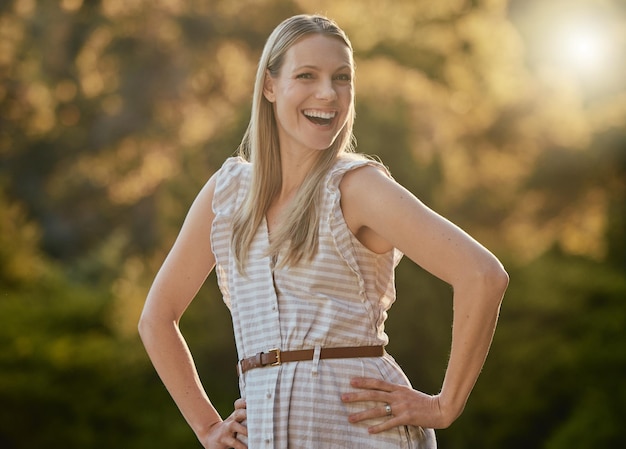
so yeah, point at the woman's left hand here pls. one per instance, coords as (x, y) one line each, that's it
(408, 406)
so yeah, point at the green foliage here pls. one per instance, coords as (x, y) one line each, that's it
(113, 114)
(553, 377)
(63, 371)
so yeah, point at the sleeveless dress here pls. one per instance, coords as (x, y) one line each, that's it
(340, 298)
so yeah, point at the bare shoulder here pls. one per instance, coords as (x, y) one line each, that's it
(201, 209)
(208, 190)
(368, 188)
(383, 214)
(363, 190)
(359, 181)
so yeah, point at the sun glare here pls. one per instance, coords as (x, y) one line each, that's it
(584, 47)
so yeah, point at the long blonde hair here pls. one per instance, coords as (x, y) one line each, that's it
(260, 146)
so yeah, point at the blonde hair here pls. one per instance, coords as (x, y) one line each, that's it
(260, 146)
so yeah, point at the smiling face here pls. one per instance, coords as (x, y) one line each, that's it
(312, 94)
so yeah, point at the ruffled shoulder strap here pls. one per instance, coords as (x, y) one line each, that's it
(231, 184)
(343, 237)
(351, 162)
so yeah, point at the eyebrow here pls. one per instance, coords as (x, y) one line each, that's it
(314, 67)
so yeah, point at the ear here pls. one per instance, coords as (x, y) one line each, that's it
(268, 87)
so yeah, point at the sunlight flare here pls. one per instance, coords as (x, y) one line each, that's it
(584, 47)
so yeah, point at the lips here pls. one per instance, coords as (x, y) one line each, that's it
(323, 118)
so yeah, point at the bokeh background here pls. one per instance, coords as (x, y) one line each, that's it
(508, 117)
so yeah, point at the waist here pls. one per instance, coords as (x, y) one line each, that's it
(275, 357)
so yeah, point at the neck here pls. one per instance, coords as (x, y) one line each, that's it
(294, 170)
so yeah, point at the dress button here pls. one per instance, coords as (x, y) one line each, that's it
(268, 395)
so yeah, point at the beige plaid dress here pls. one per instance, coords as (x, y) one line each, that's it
(340, 298)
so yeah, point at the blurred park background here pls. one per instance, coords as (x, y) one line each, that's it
(508, 117)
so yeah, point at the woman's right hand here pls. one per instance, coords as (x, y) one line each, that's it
(223, 434)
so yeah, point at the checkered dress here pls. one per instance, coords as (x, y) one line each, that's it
(340, 298)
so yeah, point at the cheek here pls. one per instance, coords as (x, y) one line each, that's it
(348, 99)
(285, 115)
(347, 93)
(288, 99)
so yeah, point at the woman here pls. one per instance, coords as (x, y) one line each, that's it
(305, 235)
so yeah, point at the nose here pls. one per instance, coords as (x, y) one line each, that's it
(326, 90)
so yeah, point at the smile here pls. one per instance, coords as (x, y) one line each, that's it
(319, 117)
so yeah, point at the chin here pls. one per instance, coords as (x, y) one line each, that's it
(323, 145)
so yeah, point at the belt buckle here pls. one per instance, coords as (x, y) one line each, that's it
(277, 352)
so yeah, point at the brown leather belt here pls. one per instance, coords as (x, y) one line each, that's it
(276, 357)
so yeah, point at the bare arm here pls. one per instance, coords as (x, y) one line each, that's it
(382, 214)
(184, 271)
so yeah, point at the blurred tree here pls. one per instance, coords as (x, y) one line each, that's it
(62, 370)
(114, 113)
(553, 379)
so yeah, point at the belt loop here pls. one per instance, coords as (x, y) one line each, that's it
(316, 359)
(242, 379)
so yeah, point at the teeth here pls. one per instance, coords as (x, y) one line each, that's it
(320, 114)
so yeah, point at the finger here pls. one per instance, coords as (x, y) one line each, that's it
(386, 425)
(369, 383)
(240, 403)
(375, 412)
(367, 395)
(238, 415)
(234, 443)
(239, 428)
(236, 419)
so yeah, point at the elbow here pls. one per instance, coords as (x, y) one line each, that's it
(495, 279)
(142, 326)
(145, 325)
(153, 322)
(502, 279)
(497, 275)
(487, 280)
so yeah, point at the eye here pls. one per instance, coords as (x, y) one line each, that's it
(344, 77)
(305, 76)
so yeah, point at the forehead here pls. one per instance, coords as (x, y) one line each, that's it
(319, 50)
